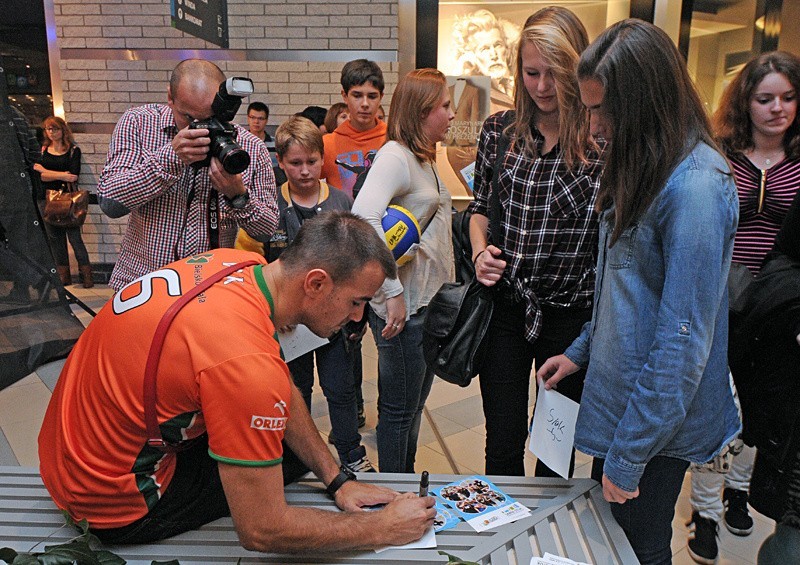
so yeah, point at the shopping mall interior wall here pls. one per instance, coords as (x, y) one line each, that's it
(115, 54)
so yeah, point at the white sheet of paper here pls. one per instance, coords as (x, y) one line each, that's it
(550, 559)
(299, 341)
(505, 515)
(427, 541)
(553, 429)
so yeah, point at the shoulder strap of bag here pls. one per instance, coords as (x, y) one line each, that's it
(495, 210)
(154, 356)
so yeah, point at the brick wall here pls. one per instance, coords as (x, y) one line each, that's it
(97, 37)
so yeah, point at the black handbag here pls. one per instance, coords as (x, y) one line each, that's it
(457, 317)
(456, 322)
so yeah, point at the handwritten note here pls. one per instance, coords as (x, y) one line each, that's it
(553, 429)
(299, 342)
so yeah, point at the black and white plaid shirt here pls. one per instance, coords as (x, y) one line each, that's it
(549, 225)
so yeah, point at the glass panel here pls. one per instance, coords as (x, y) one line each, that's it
(725, 34)
(23, 53)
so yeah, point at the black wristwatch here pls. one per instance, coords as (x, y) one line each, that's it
(239, 201)
(344, 475)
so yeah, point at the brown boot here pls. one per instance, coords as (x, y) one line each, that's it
(64, 274)
(86, 276)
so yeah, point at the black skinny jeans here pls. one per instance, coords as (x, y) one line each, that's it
(57, 238)
(505, 376)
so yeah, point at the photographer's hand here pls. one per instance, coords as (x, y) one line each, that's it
(191, 145)
(226, 183)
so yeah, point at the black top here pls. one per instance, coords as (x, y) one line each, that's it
(788, 239)
(69, 161)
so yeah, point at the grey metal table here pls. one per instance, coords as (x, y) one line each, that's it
(568, 518)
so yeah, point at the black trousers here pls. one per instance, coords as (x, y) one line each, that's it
(193, 498)
(647, 519)
(505, 376)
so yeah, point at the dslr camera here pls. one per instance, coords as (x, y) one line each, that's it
(223, 145)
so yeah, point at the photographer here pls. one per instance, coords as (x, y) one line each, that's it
(155, 172)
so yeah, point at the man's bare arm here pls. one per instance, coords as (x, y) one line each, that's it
(265, 522)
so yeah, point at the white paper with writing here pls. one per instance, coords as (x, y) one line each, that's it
(427, 541)
(299, 341)
(553, 429)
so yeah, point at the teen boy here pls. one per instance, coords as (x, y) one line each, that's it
(298, 143)
(362, 91)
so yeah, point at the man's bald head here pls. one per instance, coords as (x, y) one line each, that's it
(192, 89)
(195, 75)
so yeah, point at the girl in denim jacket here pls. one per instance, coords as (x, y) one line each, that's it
(656, 395)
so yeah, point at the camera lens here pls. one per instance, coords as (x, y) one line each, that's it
(234, 159)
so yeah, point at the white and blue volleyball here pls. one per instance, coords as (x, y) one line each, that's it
(402, 233)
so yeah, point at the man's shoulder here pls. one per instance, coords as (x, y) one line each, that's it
(147, 116)
(153, 110)
(250, 142)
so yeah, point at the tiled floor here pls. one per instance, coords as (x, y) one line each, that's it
(456, 413)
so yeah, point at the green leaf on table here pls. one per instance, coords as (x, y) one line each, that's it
(108, 558)
(68, 553)
(456, 560)
(26, 559)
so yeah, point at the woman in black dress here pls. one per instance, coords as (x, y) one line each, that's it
(60, 164)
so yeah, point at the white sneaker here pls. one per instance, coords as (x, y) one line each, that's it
(358, 461)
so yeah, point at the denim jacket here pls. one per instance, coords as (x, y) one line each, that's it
(656, 347)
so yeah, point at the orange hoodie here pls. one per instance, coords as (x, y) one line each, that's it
(349, 146)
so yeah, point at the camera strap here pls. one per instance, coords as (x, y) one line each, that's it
(213, 219)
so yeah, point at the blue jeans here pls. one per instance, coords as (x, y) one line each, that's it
(335, 369)
(404, 383)
(647, 519)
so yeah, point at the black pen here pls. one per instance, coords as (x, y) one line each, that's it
(423, 484)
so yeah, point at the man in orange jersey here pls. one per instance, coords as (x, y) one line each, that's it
(224, 394)
(346, 146)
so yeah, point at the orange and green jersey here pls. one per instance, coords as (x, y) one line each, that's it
(220, 372)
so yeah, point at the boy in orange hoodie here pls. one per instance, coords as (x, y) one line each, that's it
(362, 91)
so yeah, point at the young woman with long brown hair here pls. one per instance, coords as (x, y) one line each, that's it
(404, 173)
(60, 164)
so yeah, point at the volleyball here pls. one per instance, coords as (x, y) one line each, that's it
(402, 233)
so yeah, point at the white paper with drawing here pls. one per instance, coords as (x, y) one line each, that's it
(299, 341)
(553, 429)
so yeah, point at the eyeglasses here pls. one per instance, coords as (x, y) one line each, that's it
(52, 129)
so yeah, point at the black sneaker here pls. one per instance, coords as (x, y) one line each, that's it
(703, 546)
(362, 418)
(737, 518)
(358, 462)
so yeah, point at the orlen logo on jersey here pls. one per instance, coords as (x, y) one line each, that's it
(268, 423)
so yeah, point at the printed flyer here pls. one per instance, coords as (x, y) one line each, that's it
(481, 503)
(445, 518)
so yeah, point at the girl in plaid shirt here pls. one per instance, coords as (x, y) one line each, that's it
(542, 261)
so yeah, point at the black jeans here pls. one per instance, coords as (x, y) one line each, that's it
(193, 498)
(57, 238)
(505, 377)
(647, 519)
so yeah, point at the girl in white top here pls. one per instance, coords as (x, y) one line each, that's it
(404, 173)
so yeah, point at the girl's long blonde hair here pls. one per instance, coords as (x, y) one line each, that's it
(560, 38)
